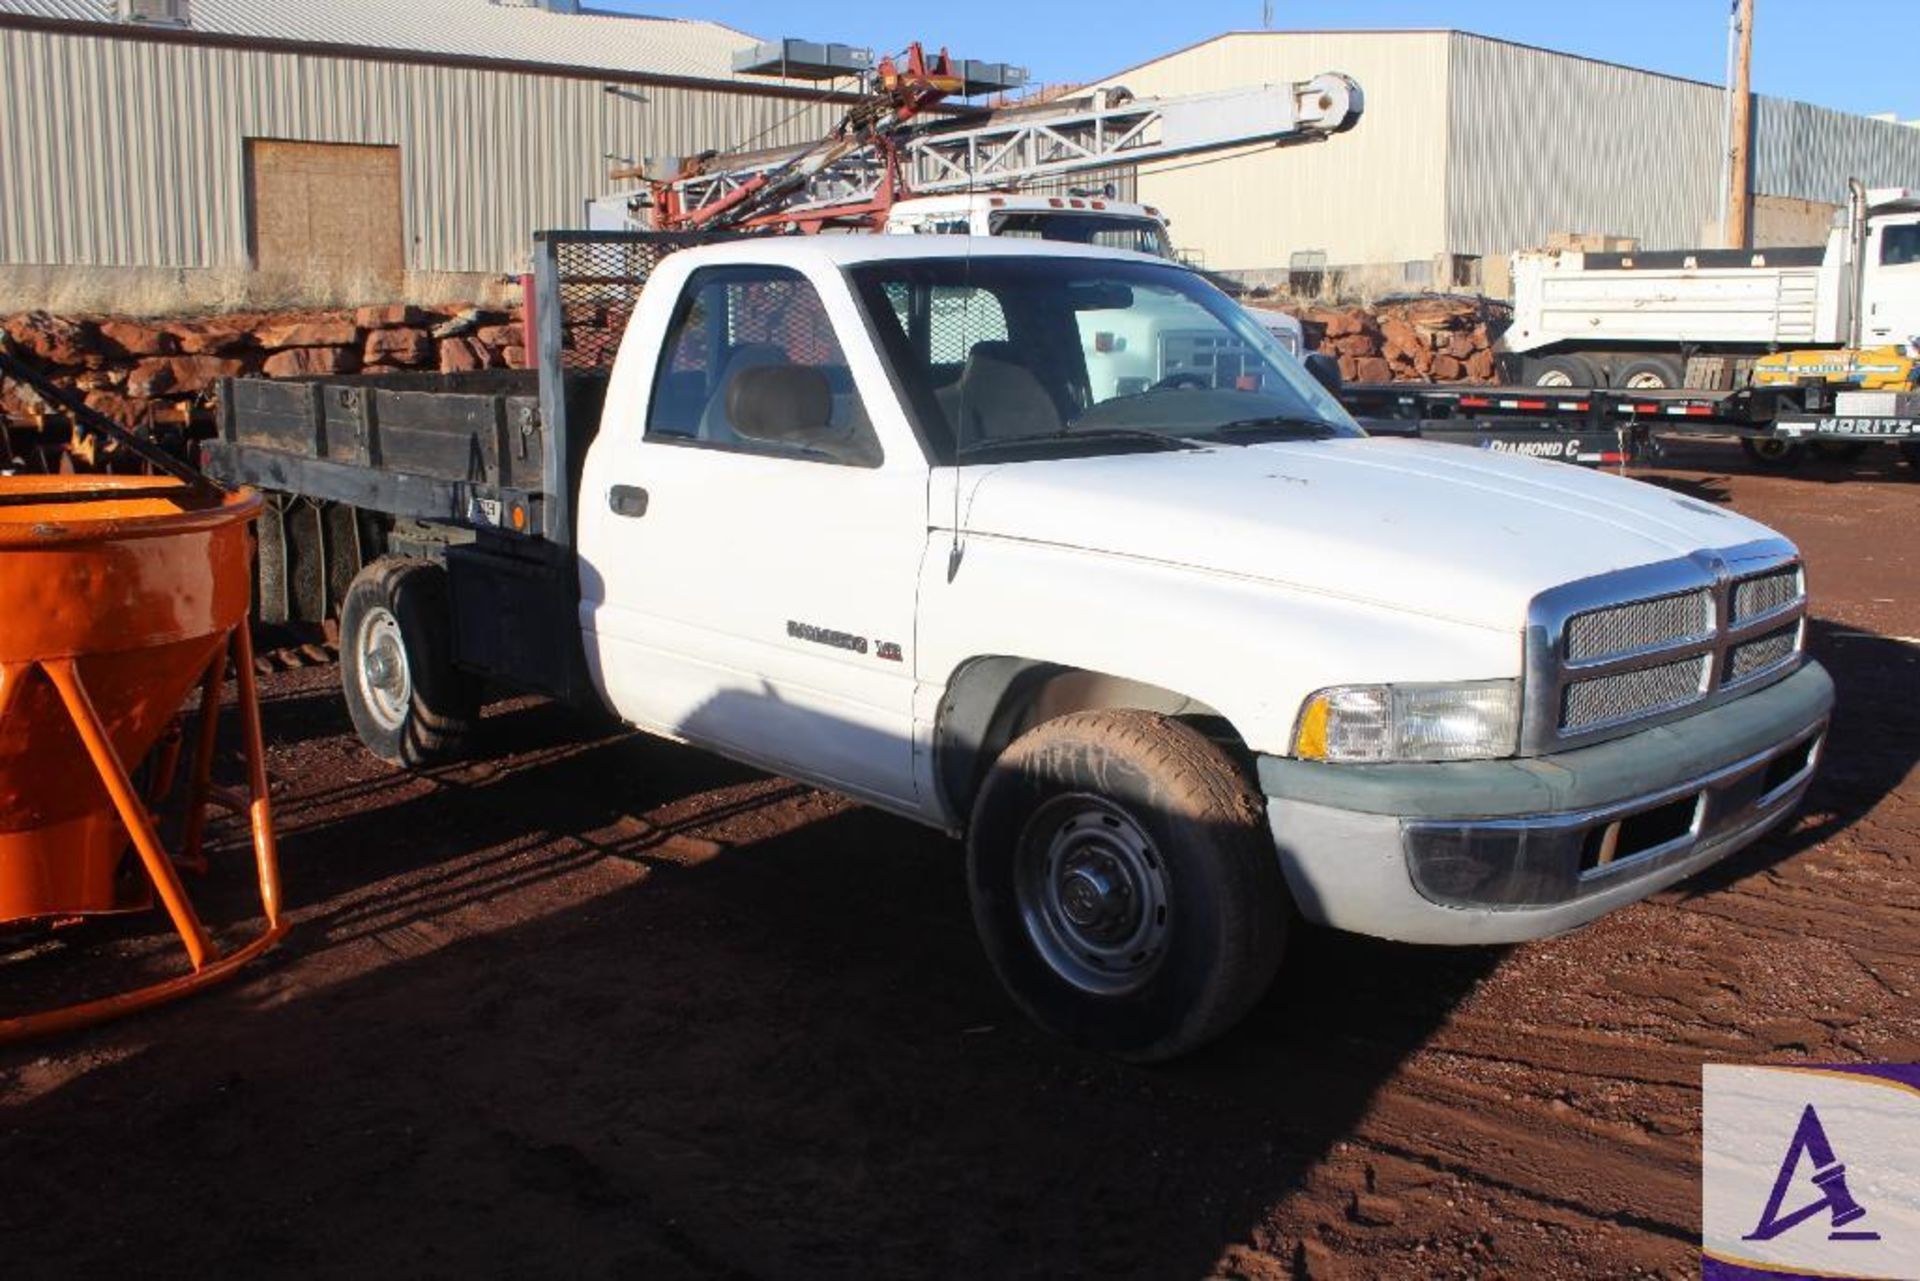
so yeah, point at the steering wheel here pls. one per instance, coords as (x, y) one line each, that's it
(1186, 378)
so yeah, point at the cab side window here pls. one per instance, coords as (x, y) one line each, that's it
(751, 364)
(1900, 246)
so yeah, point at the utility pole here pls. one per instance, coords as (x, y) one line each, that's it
(1266, 15)
(1740, 136)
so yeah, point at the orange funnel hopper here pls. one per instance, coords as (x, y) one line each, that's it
(119, 595)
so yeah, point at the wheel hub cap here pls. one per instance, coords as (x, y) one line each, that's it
(1093, 894)
(386, 686)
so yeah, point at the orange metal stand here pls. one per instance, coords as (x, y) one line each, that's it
(119, 596)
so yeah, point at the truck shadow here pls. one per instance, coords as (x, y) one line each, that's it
(623, 1008)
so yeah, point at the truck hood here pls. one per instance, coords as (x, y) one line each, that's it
(1437, 529)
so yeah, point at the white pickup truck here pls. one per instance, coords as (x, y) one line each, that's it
(1182, 663)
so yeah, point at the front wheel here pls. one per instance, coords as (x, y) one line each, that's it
(409, 703)
(1124, 883)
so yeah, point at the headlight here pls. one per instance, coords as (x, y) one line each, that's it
(1472, 720)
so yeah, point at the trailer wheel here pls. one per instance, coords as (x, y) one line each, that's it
(1652, 372)
(1774, 452)
(409, 704)
(1124, 883)
(1559, 371)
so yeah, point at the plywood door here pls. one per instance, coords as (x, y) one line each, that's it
(325, 213)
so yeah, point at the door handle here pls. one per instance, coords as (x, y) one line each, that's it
(627, 500)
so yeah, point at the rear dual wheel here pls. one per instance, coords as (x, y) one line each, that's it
(1651, 373)
(409, 704)
(1559, 371)
(1124, 883)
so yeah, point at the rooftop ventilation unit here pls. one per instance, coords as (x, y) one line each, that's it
(803, 60)
(159, 13)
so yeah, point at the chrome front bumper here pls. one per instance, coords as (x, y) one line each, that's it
(1501, 851)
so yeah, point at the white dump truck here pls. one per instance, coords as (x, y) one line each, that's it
(1183, 663)
(1699, 317)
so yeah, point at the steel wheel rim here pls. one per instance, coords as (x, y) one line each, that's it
(1770, 447)
(1092, 893)
(1646, 380)
(386, 684)
(1554, 378)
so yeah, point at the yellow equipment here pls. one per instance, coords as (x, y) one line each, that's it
(1862, 369)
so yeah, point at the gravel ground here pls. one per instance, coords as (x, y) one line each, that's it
(601, 1006)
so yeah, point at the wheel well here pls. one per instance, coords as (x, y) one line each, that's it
(991, 701)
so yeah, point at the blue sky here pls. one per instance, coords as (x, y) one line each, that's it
(1857, 55)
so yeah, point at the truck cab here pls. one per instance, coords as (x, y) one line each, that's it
(1890, 284)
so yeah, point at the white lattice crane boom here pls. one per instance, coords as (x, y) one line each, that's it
(888, 148)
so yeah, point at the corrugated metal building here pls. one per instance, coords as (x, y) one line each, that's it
(1472, 147)
(205, 143)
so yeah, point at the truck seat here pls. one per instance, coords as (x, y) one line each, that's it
(997, 396)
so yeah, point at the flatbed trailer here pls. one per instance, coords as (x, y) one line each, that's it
(1606, 426)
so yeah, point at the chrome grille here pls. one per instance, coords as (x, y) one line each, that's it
(1622, 629)
(1605, 700)
(1609, 654)
(1765, 593)
(1756, 656)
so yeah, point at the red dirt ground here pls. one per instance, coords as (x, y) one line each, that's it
(608, 1007)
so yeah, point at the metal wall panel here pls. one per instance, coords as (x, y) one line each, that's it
(1809, 152)
(1542, 142)
(1371, 195)
(127, 153)
(516, 31)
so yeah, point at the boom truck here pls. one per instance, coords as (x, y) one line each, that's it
(1182, 663)
(908, 160)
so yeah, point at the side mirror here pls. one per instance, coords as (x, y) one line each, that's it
(780, 404)
(1325, 370)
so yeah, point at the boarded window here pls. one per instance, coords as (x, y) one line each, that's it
(326, 216)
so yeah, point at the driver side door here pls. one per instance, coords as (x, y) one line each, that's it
(1892, 297)
(752, 595)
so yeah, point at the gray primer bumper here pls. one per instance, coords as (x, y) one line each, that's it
(1378, 849)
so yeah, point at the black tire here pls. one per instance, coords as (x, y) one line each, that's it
(409, 704)
(1565, 370)
(1188, 931)
(1837, 451)
(1775, 453)
(1651, 372)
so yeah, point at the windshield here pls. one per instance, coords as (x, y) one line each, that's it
(1044, 357)
(1108, 231)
